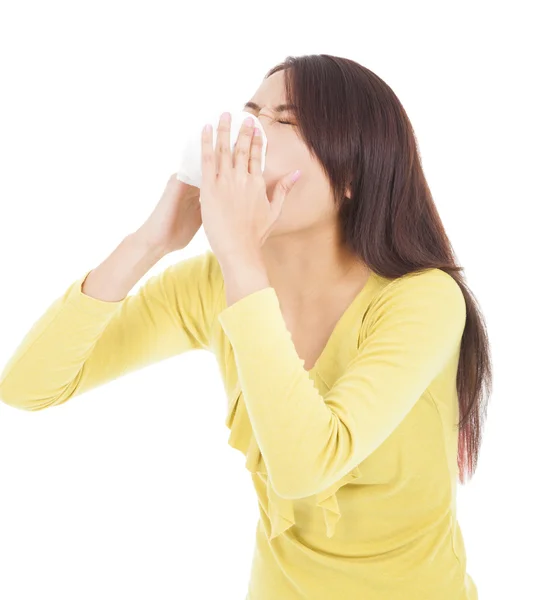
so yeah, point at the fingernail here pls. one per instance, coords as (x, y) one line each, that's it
(249, 121)
(296, 175)
(226, 116)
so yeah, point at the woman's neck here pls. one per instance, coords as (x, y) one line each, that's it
(305, 268)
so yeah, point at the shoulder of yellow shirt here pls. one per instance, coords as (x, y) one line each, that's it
(196, 284)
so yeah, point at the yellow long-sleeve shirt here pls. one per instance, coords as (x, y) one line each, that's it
(354, 462)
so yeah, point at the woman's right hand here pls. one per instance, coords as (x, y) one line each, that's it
(175, 219)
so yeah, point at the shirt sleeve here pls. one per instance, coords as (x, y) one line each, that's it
(81, 342)
(309, 441)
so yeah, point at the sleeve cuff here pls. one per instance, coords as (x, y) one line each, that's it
(257, 314)
(87, 304)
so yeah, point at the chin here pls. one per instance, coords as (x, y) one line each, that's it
(276, 230)
(281, 227)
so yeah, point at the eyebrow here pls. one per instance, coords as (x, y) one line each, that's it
(278, 109)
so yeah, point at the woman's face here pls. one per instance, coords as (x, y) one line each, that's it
(309, 203)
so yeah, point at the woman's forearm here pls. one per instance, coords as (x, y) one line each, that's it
(243, 276)
(112, 280)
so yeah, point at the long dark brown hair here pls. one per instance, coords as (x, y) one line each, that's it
(354, 124)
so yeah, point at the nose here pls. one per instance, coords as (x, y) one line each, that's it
(264, 119)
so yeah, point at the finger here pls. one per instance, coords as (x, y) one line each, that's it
(241, 153)
(208, 158)
(223, 151)
(282, 189)
(255, 161)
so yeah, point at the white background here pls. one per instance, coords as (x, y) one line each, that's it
(103, 497)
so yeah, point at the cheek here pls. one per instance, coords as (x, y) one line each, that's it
(301, 208)
(310, 200)
(283, 154)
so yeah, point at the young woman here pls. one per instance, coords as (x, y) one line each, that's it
(354, 356)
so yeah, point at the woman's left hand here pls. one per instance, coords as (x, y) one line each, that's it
(237, 215)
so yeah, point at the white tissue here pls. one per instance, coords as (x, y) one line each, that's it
(190, 165)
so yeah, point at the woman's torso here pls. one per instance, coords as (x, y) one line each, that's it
(396, 534)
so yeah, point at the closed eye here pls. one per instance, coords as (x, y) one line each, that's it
(279, 121)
